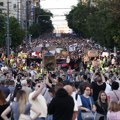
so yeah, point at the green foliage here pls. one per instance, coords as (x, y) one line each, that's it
(34, 30)
(101, 21)
(42, 23)
(16, 32)
(2, 30)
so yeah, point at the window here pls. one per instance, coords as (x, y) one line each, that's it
(14, 6)
(1, 3)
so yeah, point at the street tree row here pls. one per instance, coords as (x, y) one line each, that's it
(99, 21)
(42, 23)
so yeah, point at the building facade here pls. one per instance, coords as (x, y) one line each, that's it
(23, 10)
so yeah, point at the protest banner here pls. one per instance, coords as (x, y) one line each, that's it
(22, 55)
(31, 61)
(85, 58)
(58, 50)
(92, 53)
(105, 54)
(49, 62)
(72, 47)
(51, 48)
(85, 50)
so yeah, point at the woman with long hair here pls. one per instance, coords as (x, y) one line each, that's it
(21, 106)
(3, 104)
(114, 111)
(102, 106)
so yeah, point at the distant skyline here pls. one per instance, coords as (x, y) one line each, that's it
(59, 8)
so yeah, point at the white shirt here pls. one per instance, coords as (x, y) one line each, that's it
(77, 102)
(108, 88)
(40, 104)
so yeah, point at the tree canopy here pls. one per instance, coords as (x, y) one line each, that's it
(101, 21)
(42, 23)
(17, 33)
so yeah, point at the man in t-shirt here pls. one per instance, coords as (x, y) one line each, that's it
(37, 100)
(98, 85)
(114, 95)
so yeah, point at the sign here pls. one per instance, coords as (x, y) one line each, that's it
(92, 53)
(49, 62)
(86, 58)
(58, 34)
(38, 49)
(85, 50)
(58, 50)
(72, 47)
(50, 48)
(31, 61)
(105, 54)
(22, 55)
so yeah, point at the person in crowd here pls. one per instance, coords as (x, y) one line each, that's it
(69, 89)
(113, 111)
(4, 88)
(21, 106)
(25, 87)
(37, 99)
(98, 84)
(3, 104)
(64, 102)
(87, 102)
(83, 82)
(114, 95)
(11, 86)
(101, 106)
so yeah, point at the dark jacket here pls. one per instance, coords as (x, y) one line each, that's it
(61, 106)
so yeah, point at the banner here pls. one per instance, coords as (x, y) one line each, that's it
(105, 54)
(92, 53)
(49, 63)
(31, 61)
(86, 58)
(72, 47)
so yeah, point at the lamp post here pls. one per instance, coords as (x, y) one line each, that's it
(8, 32)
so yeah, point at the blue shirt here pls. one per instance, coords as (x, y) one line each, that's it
(15, 110)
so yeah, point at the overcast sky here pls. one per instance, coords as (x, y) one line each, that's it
(55, 6)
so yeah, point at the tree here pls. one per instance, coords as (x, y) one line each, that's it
(42, 23)
(2, 30)
(16, 31)
(97, 21)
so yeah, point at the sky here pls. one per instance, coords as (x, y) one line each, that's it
(59, 8)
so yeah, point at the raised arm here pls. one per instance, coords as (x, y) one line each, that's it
(37, 91)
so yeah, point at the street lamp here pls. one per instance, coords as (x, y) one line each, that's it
(8, 32)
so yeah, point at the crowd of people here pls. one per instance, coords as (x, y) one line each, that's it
(74, 89)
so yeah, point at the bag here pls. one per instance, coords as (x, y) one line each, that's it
(24, 117)
(117, 97)
(87, 116)
(98, 116)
